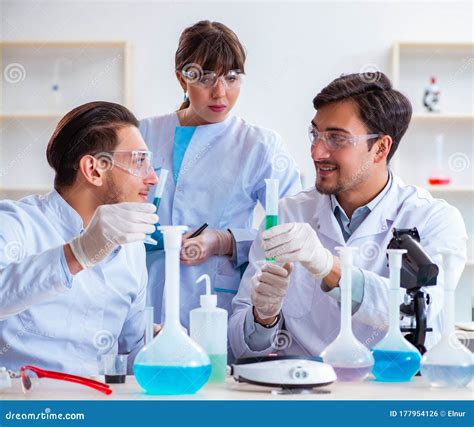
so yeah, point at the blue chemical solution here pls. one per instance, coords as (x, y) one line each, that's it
(447, 375)
(158, 379)
(395, 366)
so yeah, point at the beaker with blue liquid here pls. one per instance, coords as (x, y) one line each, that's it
(172, 363)
(396, 360)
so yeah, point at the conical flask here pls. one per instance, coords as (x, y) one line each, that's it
(351, 360)
(448, 363)
(172, 363)
(396, 360)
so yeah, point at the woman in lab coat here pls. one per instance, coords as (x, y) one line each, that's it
(218, 164)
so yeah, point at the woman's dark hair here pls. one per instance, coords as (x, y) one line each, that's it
(88, 129)
(383, 109)
(211, 46)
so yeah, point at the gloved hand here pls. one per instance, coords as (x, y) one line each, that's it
(269, 287)
(111, 226)
(211, 242)
(298, 242)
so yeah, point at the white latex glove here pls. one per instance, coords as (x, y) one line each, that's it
(269, 287)
(298, 242)
(111, 226)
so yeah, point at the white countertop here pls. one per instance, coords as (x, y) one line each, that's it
(416, 389)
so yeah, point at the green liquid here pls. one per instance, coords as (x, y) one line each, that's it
(218, 368)
(156, 202)
(270, 221)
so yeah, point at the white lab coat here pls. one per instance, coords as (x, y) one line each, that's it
(221, 179)
(312, 317)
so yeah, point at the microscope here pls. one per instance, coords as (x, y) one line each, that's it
(418, 270)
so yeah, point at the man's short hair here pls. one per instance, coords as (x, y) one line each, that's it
(383, 109)
(88, 129)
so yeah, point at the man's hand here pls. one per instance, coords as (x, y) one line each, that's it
(298, 242)
(211, 242)
(111, 226)
(269, 287)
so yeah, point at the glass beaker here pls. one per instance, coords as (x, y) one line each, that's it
(449, 363)
(396, 360)
(172, 363)
(351, 360)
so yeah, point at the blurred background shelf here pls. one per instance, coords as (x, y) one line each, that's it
(42, 81)
(31, 116)
(413, 64)
(435, 117)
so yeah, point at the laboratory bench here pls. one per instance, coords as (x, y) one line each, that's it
(369, 389)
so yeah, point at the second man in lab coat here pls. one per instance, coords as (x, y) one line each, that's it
(294, 308)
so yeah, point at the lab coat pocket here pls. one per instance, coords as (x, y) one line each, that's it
(226, 284)
(299, 298)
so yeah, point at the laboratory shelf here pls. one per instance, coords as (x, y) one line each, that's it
(44, 79)
(450, 188)
(31, 116)
(435, 117)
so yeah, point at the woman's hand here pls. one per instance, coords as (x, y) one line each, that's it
(198, 249)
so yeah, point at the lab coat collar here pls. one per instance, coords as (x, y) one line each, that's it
(67, 219)
(383, 214)
(324, 221)
(212, 129)
(378, 221)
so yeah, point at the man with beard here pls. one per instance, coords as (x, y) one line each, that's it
(72, 263)
(357, 201)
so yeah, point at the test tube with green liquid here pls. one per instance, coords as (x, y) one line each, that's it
(271, 205)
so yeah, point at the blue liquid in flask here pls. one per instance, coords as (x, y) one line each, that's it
(395, 366)
(171, 380)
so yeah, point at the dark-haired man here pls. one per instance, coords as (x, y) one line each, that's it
(357, 201)
(72, 265)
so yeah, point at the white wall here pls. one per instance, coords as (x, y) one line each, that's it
(294, 48)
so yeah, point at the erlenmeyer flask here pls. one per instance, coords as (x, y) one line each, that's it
(172, 363)
(396, 360)
(448, 363)
(350, 359)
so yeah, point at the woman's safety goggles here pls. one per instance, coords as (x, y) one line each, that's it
(208, 79)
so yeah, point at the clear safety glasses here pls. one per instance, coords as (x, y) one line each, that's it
(208, 79)
(336, 140)
(30, 377)
(136, 162)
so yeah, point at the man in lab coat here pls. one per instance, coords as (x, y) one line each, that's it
(72, 263)
(292, 307)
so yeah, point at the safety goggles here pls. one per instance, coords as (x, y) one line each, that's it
(136, 162)
(208, 79)
(336, 140)
(30, 377)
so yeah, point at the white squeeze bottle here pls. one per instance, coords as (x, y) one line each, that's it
(208, 327)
